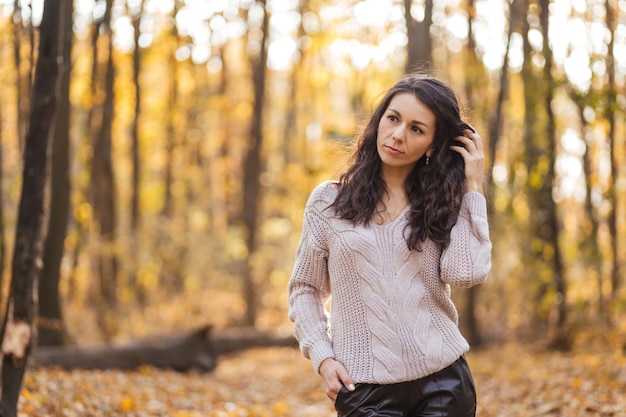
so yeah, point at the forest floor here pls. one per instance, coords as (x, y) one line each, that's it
(510, 380)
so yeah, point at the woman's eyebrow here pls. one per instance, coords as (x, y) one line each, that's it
(415, 122)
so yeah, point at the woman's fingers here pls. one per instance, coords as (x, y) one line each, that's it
(472, 153)
(335, 376)
(472, 141)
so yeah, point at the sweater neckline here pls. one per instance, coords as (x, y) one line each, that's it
(400, 215)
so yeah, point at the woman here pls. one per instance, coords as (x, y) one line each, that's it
(405, 221)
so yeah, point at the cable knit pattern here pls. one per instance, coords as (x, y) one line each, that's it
(392, 317)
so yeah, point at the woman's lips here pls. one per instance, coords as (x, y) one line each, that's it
(392, 149)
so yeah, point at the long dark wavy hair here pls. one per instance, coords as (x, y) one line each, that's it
(434, 190)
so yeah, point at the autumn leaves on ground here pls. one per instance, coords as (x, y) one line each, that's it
(510, 382)
(512, 379)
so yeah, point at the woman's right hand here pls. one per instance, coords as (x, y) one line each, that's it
(335, 376)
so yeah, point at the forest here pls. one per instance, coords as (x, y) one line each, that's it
(156, 157)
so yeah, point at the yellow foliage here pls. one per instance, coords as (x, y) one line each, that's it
(70, 242)
(199, 220)
(242, 110)
(537, 245)
(535, 180)
(279, 278)
(511, 380)
(276, 228)
(127, 403)
(548, 252)
(500, 202)
(281, 408)
(25, 393)
(83, 212)
(148, 279)
(237, 249)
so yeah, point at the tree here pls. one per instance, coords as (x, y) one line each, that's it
(136, 159)
(102, 178)
(474, 76)
(170, 126)
(135, 209)
(23, 73)
(17, 330)
(546, 267)
(551, 229)
(495, 126)
(253, 168)
(589, 247)
(2, 216)
(535, 275)
(611, 104)
(172, 251)
(419, 46)
(50, 328)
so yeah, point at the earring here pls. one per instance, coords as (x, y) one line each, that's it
(427, 160)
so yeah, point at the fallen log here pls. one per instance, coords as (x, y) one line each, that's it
(198, 350)
(234, 340)
(180, 353)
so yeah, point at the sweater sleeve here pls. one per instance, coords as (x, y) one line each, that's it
(309, 289)
(467, 259)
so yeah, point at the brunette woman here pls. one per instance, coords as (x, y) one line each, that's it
(405, 221)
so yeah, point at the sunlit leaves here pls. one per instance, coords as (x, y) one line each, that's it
(510, 381)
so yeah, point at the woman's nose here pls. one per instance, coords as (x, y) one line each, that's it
(399, 131)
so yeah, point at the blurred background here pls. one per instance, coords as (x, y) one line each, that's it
(189, 134)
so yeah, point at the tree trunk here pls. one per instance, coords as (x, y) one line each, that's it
(495, 127)
(473, 77)
(17, 59)
(92, 126)
(537, 274)
(419, 46)
(589, 245)
(290, 132)
(23, 80)
(17, 329)
(252, 171)
(544, 266)
(2, 219)
(172, 250)
(222, 161)
(136, 160)
(170, 140)
(50, 329)
(103, 193)
(611, 98)
(170, 127)
(135, 209)
(562, 339)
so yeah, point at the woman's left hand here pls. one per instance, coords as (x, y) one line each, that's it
(474, 158)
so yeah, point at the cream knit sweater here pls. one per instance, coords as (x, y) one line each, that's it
(392, 317)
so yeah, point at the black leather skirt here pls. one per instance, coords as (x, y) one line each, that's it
(447, 393)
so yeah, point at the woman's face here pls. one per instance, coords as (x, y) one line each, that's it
(405, 132)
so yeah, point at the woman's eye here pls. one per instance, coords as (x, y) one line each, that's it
(392, 118)
(415, 129)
